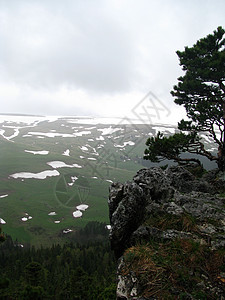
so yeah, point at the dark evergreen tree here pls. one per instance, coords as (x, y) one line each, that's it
(35, 274)
(202, 93)
(68, 272)
(161, 147)
(2, 236)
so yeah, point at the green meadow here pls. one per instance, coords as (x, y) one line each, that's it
(84, 159)
(85, 180)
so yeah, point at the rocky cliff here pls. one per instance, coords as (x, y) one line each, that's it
(168, 233)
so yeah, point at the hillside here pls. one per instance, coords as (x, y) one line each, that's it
(55, 171)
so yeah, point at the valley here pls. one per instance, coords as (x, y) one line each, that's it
(55, 172)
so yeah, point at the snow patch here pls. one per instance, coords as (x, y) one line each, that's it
(43, 152)
(82, 207)
(66, 152)
(16, 133)
(77, 214)
(51, 134)
(73, 179)
(108, 180)
(61, 164)
(65, 231)
(130, 143)
(109, 130)
(2, 221)
(100, 146)
(26, 218)
(84, 148)
(90, 128)
(3, 196)
(101, 138)
(41, 175)
(52, 213)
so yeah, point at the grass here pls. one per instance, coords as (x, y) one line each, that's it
(39, 197)
(163, 221)
(174, 269)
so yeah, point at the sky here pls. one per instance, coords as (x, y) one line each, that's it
(104, 58)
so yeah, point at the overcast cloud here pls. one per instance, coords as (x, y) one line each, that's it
(96, 57)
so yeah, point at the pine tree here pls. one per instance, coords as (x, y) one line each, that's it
(202, 93)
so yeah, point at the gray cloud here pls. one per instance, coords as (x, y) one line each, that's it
(86, 49)
(102, 48)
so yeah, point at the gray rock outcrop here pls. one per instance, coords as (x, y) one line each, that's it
(165, 205)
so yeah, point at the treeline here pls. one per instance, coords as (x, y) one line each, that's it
(70, 271)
